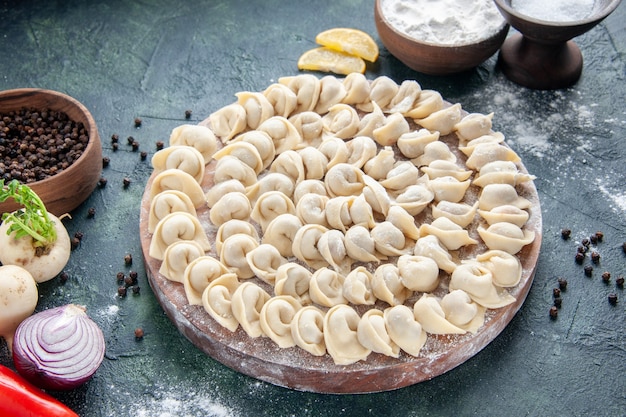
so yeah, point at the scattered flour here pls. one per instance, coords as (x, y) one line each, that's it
(444, 22)
(618, 197)
(555, 10)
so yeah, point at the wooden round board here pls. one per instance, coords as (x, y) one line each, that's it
(297, 369)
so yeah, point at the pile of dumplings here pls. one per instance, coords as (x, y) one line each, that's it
(341, 220)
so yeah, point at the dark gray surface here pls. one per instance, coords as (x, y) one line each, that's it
(155, 59)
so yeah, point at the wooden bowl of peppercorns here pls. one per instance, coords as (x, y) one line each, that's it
(48, 141)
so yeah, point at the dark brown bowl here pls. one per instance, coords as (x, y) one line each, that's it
(64, 191)
(431, 58)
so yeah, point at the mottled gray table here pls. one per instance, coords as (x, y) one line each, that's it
(154, 59)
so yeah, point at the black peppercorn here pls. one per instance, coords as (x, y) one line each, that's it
(580, 257)
(562, 284)
(558, 302)
(126, 182)
(115, 146)
(136, 290)
(137, 122)
(102, 182)
(599, 236)
(130, 140)
(121, 291)
(74, 243)
(187, 114)
(133, 275)
(619, 281)
(612, 299)
(64, 276)
(595, 257)
(139, 333)
(91, 212)
(593, 239)
(128, 259)
(588, 270)
(624, 247)
(105, 161)
(143, 155)
(160, 145)
(586, 242)
(115, 138)
(556, 292)
(554, 312)
(606, 276)
(566, 233)
(135, 146)
(120, 277)
(581, 249)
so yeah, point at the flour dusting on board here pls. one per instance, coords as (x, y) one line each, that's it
(185, 404)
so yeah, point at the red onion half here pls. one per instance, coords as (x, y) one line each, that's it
(58, 349)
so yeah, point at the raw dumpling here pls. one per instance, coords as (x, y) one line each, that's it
(340, 335)
(415, 198)
(506, 213)
(412, 144)
(335, 150)
(490, 152)
(404, 330)
(217, 191)
(246, 303)
(264, 260)
(217, 300)
(311, 209)
(387, 285)
(376, 195)
(167, 202)
(442, 120)
(442, 168)
(361, 212)
(332, 91)
(315, 163)
(305, 245)
(473, 126)
(293, 279)
(360, 244)
(309, 187)
(198, 274)
(431, 316)
(233, 227)
(383, 90)
(405, 97)
(418, 273)
(332, 247)
(338, 212)
(506, 269)
(506, 237)
(281, 232)
(282, 99)
(494, 195)
(174, 227)
(344, 180)
(326, 287)
(341, 121)
(378, 166)
(307, 330)
(262, 141)
(476, 281)
(257, 106)
(199, 137)
(233, 254)
(228, 121)
(461, 311)
(361, 150)
(371, 121)
(275, 318)
(492, 137)
(403, 175)
(389, 239)
(307, 88)
(285, 136)
(358, 88)
(448, 188)
(234, 205)
(357, 287)
(460, 213)
(270, 205)
(427, 103)
(309, 125)
(430, 247)
(400, 218)
(175, 179)
(272, 181)
(372, 334)
(232, 168)
(501, 172)
(244, 151)
(176, 258)
(394, 126)
(185, 158)
(434, 151)
(289, 163)
(450, 234)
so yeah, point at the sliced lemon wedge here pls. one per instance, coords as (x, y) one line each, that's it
(351, 41)
(330, 60)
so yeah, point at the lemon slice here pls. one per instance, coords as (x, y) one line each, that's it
(351, 41)
(330, 60)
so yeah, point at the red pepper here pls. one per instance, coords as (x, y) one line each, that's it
(18, 398)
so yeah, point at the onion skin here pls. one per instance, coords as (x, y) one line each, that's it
(21, 399)
(59, 348)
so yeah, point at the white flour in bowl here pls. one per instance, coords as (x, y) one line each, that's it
(444, 22)
(555, 10)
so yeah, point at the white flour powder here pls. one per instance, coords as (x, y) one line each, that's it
(444, 22)
(555, 10)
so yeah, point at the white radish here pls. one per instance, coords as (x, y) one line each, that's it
(18, 299)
